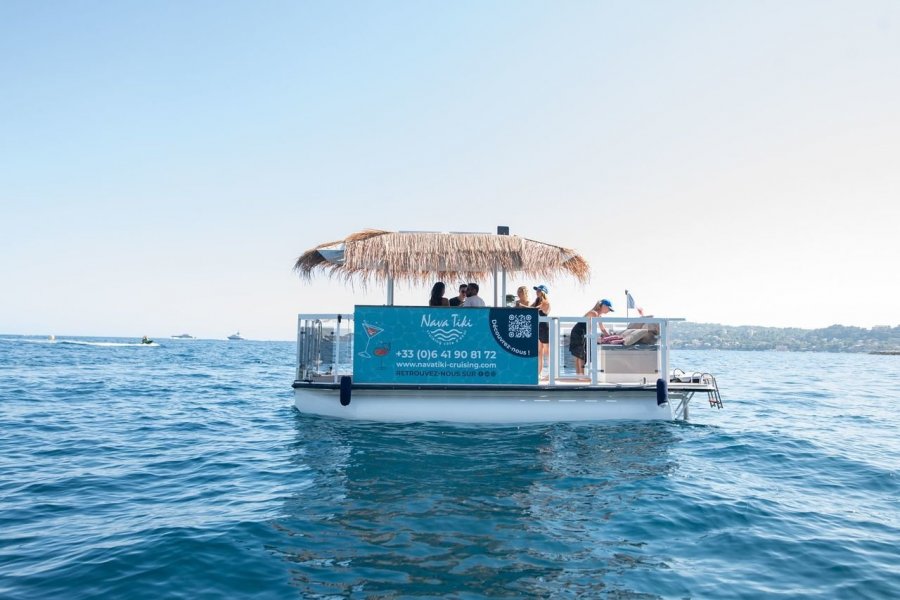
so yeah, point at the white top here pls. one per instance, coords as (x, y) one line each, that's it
(473, 301)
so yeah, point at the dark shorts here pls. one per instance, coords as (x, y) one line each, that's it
(578, 341)
(544, 333)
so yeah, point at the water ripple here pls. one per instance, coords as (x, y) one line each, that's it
(182, 471)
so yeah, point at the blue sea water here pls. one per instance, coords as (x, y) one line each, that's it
(181, 470)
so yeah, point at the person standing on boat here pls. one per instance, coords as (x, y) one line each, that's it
(522, 299)
(578, 335)
(461, 298)
(542, 303)
(437, 295)
(472, 297)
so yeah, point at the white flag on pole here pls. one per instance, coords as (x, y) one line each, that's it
(629, 299)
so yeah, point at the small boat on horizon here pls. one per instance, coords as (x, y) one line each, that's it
(183, 336)
(236, 336)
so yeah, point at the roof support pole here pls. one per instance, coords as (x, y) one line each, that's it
(390, 291)
(501, 230)
(496, 286)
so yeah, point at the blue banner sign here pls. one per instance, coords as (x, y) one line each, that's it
(413, 344)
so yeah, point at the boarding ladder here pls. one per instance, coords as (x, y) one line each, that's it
(715, 398)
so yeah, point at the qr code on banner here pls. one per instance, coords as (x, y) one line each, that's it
(519, 326)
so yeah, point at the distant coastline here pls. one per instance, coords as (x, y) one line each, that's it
(836, 338)
(883, 340)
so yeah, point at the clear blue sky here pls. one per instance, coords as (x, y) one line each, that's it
(163, 164)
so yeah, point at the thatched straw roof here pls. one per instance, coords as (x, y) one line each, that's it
(414, 257)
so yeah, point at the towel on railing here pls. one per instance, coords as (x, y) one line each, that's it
(612, 339)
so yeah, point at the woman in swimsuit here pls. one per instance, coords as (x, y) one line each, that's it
(578, 335)
(437, 295)
(542, 303)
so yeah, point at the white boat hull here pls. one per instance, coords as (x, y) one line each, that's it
(483, 405)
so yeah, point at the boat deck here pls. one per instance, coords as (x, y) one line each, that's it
(631, 379)
(579, 383)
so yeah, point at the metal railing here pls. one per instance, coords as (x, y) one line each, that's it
(325, 350)
(595, 369)
(324, 346)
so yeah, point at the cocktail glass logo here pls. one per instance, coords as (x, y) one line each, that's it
(446, 330)
(371, 331)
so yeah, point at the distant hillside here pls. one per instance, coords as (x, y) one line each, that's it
(836, 338)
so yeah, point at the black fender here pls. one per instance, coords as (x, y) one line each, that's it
(662, 391)
(346, 385)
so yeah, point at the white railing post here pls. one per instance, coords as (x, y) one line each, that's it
(335, 360)
(299, 333)
(554, 348)
(592, 353)
(664, 350)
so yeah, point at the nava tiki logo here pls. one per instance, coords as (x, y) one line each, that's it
(446, 330)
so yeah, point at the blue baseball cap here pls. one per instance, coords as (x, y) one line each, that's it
(542, 288)
(607, 304)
